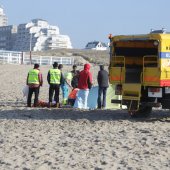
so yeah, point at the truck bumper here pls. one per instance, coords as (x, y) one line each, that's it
(126, 102)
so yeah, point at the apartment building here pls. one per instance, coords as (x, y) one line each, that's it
(7, 32)
(38, 35)
(7, 37)
(3, 17)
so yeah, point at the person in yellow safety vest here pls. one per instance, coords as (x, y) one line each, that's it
(54, 79)
(34, 81)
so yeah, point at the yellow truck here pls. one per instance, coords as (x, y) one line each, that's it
(140, 70)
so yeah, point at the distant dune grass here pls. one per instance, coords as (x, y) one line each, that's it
(92, 56)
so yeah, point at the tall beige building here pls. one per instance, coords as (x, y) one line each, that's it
(3, 17)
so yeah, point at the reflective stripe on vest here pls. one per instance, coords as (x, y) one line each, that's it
(33, 76)
(55, 76)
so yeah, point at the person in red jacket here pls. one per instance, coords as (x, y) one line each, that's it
(84, 84)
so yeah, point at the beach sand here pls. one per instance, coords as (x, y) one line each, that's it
(49, 139)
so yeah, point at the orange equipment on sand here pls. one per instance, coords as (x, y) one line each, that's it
(71, 99)
(72, 96)
(44, 104)
(73, 93)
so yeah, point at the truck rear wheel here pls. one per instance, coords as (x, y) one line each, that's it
(144, 111)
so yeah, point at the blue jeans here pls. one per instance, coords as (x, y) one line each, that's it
(81, 100)
(65, 90)
(102, 91)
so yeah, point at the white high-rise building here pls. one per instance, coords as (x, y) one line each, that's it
(3, 18)
(38, 35)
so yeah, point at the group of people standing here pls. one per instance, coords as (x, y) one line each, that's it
(81, 80)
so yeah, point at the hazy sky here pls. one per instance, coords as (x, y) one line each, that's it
(88, 20)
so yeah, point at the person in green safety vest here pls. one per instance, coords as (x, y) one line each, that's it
(34, 81)
(54, 79)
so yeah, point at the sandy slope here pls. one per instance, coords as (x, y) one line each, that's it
(45, 138)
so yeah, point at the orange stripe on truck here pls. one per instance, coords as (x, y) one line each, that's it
(116, 78)
(151, 78)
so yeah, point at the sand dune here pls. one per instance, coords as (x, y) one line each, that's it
(47, 139)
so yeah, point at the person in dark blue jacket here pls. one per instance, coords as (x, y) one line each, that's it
(103, 82)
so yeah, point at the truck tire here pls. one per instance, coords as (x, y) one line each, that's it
(144, 111)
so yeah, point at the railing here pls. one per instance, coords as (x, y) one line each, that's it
(48, 60)
(12, 57)
(118, 61)
(150, 61)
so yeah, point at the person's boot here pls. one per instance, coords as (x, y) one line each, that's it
(64, 101)
(28, 105)
(49, 104)
(57, 105)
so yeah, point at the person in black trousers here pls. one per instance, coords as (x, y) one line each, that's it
(34, 81)
(103, 82)
(54, 79)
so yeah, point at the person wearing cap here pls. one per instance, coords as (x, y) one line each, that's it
(34, 81)
(54, 79)
(75, 75)
(103, 82)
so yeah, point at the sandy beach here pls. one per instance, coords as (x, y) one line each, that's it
(68, 139)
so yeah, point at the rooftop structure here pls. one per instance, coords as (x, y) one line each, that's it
(96, 45)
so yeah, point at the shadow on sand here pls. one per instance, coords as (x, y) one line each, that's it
(24, 113)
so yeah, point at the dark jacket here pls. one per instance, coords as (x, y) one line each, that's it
(103, 78)
(75, 79)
